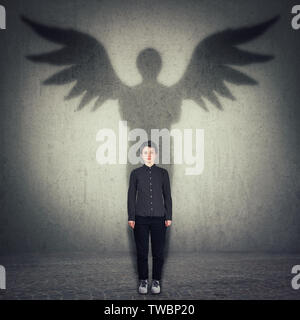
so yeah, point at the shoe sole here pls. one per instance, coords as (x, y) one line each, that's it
(142, 292)
(155, 292)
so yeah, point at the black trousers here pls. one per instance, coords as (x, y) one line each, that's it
(156, 227)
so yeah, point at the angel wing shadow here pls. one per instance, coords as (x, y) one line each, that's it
(150, 104)
(88, 64)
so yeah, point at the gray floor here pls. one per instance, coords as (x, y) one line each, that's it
(186, 276)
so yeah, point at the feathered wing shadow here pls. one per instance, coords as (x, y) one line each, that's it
(86, 62)
(210, 64)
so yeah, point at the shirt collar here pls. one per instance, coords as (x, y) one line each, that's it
(146, 167)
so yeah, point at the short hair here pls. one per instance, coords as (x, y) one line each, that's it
(150, 144)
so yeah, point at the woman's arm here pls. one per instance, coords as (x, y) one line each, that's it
(131, 197)
(167, 195)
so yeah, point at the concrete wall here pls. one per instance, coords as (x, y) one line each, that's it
(54, 194)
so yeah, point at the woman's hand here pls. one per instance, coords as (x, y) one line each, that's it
(168, 223)
(131, 224)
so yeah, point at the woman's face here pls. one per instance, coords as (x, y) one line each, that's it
(148, 154)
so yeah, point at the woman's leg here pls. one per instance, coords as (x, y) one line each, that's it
(158, 235)
(141, 235)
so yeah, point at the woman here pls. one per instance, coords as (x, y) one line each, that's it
(150, 213)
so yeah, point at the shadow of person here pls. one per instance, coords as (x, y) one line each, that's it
(148, 106)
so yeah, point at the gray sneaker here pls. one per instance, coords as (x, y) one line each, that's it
(155, 287)
(143, 288)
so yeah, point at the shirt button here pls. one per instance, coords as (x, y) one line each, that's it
(151, 208)
(150, 197)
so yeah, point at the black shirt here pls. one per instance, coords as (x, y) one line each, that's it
(152, 187)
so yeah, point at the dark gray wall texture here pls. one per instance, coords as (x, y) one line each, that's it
(55, 196)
